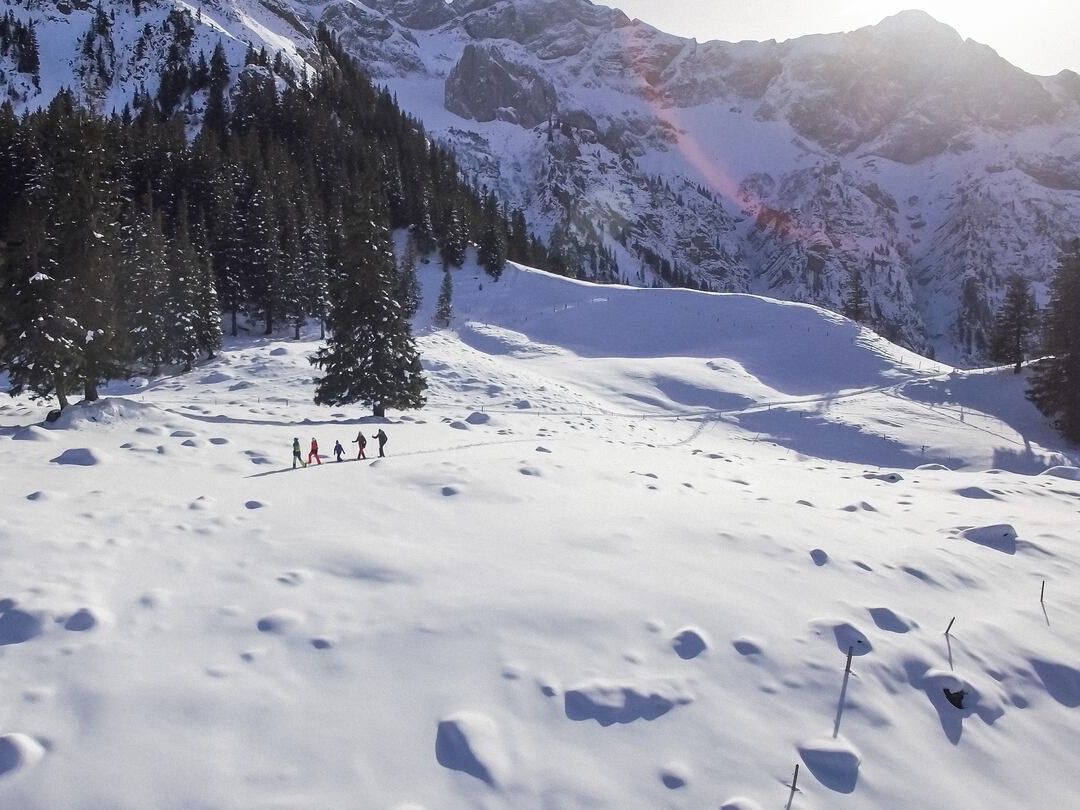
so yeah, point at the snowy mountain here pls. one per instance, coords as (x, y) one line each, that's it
(619, 561)
(900, 150)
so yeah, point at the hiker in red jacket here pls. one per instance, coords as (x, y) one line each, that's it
(314, 452)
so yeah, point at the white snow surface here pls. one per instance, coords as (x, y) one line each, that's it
(618, 561)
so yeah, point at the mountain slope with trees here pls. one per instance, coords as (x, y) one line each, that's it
(123, 237)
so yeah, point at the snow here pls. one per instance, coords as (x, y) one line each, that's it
(618, 561)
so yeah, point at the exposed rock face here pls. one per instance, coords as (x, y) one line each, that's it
(388, 48)
(422, 15)
(906, 89)
(550, 29)
(486, 85)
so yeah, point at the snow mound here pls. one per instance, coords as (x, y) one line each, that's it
(608, 702)
(80, 457)
(280, 622)
(689, 643)
(833, 762)
(890, 478)
(999, 536)
(745, 645)
(33, 433)
(740, 803)
(977, 493)
(887, 619)
(471, 742)
(1070, 473)
(17, 626)
(846, 635)
(81, 620)
(17, 752)
(106, 412)
(675, 775)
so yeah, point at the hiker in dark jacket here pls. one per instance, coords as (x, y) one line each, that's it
(361, 442)
(296, 453)
(339, 451)
(382, 441)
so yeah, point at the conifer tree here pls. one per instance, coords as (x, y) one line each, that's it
(1055, 379)
(370, 356)
(453, 240)
(855, 304)
(182, 304)
(207, 307)
(1014, 324)
(492, 252)
(63, 329)
(444, 308)
(146, 277)
(407, 288)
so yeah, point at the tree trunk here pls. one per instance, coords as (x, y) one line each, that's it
(61, 393)
(90, 393)
(377, 409)
(1016, 368)
(296, 332)
(269, 321)
(234, 329)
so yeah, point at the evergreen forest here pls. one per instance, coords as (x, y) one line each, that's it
(124, 238)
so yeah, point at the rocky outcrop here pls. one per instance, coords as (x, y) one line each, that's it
(495, 81)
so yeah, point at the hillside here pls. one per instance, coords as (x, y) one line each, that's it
(617, 562)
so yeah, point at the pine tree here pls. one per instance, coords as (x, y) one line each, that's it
(1014, 324)
(407, 288)
(207, 308)
(182, 300)
(493, 239)
(63, 330)
(1055, 379)
(370, 356)
(453, 241)
(517, 247)
(855, 304)
(444, 309)
(146, 277)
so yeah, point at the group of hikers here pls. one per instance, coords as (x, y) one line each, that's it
(360, 441)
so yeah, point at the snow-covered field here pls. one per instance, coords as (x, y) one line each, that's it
(619, 561)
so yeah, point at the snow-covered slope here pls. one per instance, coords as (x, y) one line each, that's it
(900, 149)
(618, 562)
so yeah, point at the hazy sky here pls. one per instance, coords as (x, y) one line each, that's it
(1040, 36)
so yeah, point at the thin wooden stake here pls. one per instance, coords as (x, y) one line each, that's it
(1042, 591)
(947, 629)
(794, 788)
